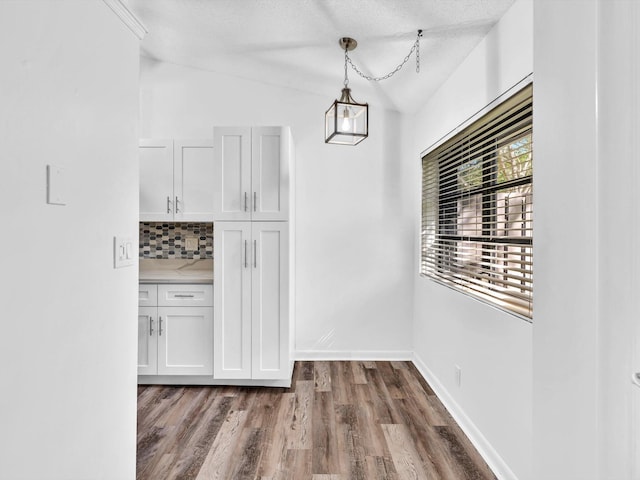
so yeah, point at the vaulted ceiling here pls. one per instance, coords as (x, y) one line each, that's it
(294, 43)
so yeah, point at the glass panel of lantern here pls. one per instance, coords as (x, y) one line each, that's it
(346, 123)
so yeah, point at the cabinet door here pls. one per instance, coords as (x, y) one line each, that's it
(232, 173)
(156, 180)
(270, 300)
(185, 341)
(232, 300)
(270, 173)
(147, 341)
(193, 177)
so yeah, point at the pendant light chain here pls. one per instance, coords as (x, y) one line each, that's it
(346, 77)
(414, 48)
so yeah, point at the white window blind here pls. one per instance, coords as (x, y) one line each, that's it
(477, 206)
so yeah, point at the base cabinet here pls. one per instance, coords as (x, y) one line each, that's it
(176, 340)
(251, 300)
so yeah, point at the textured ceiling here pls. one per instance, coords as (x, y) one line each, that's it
(294, 43)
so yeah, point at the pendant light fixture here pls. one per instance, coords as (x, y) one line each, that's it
(347, 121)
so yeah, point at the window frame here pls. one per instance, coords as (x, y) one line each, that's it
(441, 242)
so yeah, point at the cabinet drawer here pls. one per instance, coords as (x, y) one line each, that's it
(197, 295)
(147, 295)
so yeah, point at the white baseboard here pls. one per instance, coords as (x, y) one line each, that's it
(366, 355)
(485, 449)
(208, 380)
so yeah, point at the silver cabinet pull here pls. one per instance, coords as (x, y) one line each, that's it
(182, 295)
(168, 204)
(255, 254)
(177, 209)
(245, 201)
(246, 265)
(150, 326)
(160, 326)
(255, 201)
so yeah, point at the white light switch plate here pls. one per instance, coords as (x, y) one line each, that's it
(124, 251)
(56, 185)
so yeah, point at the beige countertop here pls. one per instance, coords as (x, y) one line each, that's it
(176, 271)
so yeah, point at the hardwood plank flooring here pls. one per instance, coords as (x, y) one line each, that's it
(338, 421)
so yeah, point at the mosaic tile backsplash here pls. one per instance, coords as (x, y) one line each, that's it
(169, 240)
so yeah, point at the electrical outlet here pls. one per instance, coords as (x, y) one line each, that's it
(191, 244)
(457, 375)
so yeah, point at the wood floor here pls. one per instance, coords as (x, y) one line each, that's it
(338, 421)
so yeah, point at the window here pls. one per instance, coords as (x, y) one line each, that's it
(477, 226)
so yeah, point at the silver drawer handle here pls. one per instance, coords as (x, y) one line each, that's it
(245, 201)
(168, 205)
(178, 295)
(245, 254)
(150, 326)
(255, 201)
(177, 205)
(160, 323)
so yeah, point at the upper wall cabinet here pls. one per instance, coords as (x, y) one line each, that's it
(175, 180)
(251, 173)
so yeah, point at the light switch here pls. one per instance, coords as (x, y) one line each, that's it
(56, 185)
(123, 252)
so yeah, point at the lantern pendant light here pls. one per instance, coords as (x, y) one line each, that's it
(347, 121)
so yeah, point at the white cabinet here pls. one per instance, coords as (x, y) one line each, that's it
(251, 173)
(147, 295)
(147, 340)
(176, 178)
(251, 300)
(156, 180)
(175, 337)
(270, 300)
(232, 300)
(185, 344)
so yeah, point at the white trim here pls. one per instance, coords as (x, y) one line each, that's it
(363, 355)
(209, 380)
(490, 106)
(485, 449)
(128, 18)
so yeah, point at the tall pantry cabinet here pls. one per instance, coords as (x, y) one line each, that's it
(253, 244)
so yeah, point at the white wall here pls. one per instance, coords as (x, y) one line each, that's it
(587, 308)
(493, 348)
(619, 231)
(353, 216)
(566, 304)
(570, 370)
(69, 95)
